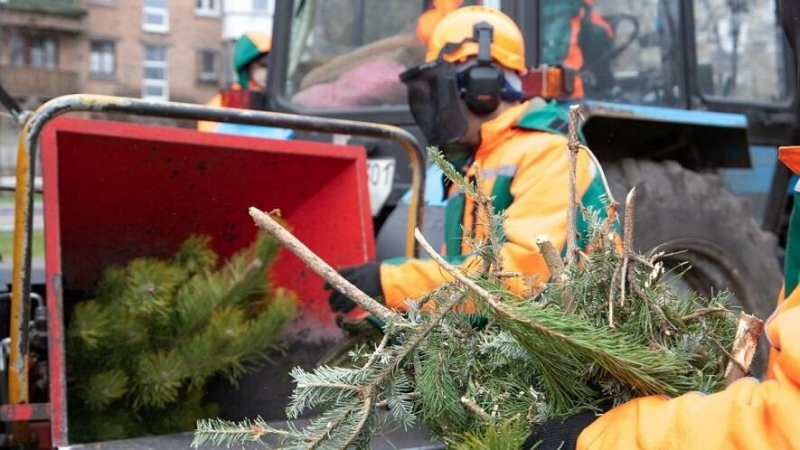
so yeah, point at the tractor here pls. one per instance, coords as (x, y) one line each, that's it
(688, 104)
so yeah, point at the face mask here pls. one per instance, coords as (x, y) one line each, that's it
(435, 102)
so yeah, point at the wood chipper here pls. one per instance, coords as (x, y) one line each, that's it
(115, 191)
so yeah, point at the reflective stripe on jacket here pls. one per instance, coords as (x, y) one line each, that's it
(527, 173)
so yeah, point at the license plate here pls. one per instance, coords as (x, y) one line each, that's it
(380, 174)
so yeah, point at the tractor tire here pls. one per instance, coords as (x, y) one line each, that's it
(678, 210)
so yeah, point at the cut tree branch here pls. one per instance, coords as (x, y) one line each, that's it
(475, 408)
(744, 347)
(455, 272)
(702, 312)
(318, 265)
(573, 145)
(627, 241)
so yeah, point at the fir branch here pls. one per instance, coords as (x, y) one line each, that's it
(228, 433)
(451, 172)
(266, 223)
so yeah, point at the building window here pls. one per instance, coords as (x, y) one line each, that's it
(155, 80)
(208, 66)
(207, 7)
(36, 51)
(101, 59)
(261, 5)
(155, 16)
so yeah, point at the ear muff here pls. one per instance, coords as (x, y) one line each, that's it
(482, 84)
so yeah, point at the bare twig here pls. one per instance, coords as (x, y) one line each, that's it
(614, 278)
(744, 347)
(627, 241)
(268, 224)
(572, 152)
(453, 271)
(506, 274)
(475, 408)
(630, 211)
(702, 312)
(377, 351)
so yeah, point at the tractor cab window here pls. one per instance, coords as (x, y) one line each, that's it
(349, 54)
(626, 51)
(739, 50)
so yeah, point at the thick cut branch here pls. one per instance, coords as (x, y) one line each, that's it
(268, 224)
(551, 258)
(556, 267)
(475, 408)
(572, 151)
(744, 347)
(627, 242)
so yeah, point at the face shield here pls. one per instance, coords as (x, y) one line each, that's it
(435, 101)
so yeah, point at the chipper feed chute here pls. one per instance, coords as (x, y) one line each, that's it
(116, 191)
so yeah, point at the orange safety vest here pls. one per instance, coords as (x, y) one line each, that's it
(210, 127)
(527, 173)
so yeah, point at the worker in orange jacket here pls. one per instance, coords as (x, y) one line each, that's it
(250, 61)
(747, 415)
(467, 100)
(577, 37)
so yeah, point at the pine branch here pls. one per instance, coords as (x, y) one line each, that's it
(613, 353)
(524, 360)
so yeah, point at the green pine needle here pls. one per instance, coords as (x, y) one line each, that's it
(105, 387)
(158, 330)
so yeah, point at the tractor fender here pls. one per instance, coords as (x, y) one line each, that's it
(697, 140)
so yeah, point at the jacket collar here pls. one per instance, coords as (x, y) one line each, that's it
(496, 131)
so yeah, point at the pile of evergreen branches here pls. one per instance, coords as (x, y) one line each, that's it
(141, 351)
(607, 327)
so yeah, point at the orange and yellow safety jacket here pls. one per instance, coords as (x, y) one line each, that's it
(522, 162)
(210, 127)
(748, 414)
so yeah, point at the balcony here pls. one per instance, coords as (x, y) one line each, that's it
(57, 15)
(27, 81)
(63, 8)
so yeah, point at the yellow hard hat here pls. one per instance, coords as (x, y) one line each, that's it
(508, 46)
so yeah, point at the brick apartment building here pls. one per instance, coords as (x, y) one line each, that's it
(159, 49)
(155, 49)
